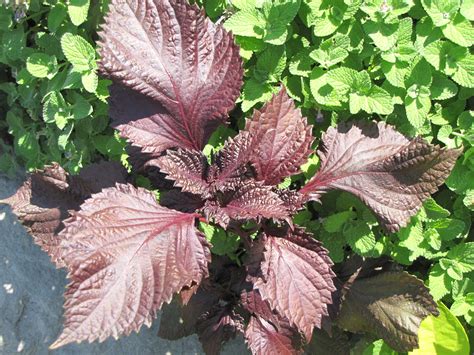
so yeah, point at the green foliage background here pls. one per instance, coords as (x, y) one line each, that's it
(406, 62)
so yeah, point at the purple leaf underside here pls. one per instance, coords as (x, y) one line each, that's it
(390, 173)
(126, 256)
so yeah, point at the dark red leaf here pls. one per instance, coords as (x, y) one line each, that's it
(392, 174)
(267, 331)
(126, 256)
(229, 168)
(218, 326)
(390, 305)
(188, 170)
(263, 338)
(251, 200)
(44, 199)
(170, 52)
(282, 138)
(294, 275)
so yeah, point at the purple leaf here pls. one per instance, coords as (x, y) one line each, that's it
(185, 70)
(229, 168)
(268, 332)
(251, 200)
(188, 170)
(218, 326)
(390, 305)
(293, 273)
(282, 138)
(44, 199)
(126, 256)
(390, 173)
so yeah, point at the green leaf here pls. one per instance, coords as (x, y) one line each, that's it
(468, 200)
(248, 22)
(467, 9)
(301, 63)
(462, 305)
(77, 10)
(329, 54)
(56, 16)
(376, 100)
(324, 93)
(465, 74)
(439, 282)
(325, 15)
(442, 88)
(342, 79)
(335, 222)
(420, 75)
(444, 135)
(81, 108)
(460, 179)
(464, 255)
(442, 335)
(222, 243)
(379, 347)
(270, 64)
(395, 73)
(27, 146)
(388, 10)
(433, 210)
(441, 11)
(5, 19)
(278, 14)
(448, 228)
(460, 31)
(444, 56)
(383, 34)
(54, 106)
(417, 110)
(41, 65)
(63, 138)
(12, 43)
(411, 237)
(255, 92)
(78, 52)
(310, 167)
(360, 237)
(90, 80)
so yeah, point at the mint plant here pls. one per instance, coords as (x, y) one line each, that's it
(176, 77)
(55, 105)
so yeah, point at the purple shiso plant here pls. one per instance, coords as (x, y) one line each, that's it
(176, 76)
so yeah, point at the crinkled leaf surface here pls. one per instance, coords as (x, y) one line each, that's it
(229, 168)
(293, 273)
(250, 200)
(390, 305)
(44, 199)
(392, 174)
(187, 168)
(126, 256)
(218, 326)
(282, 139)
(185, 72)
